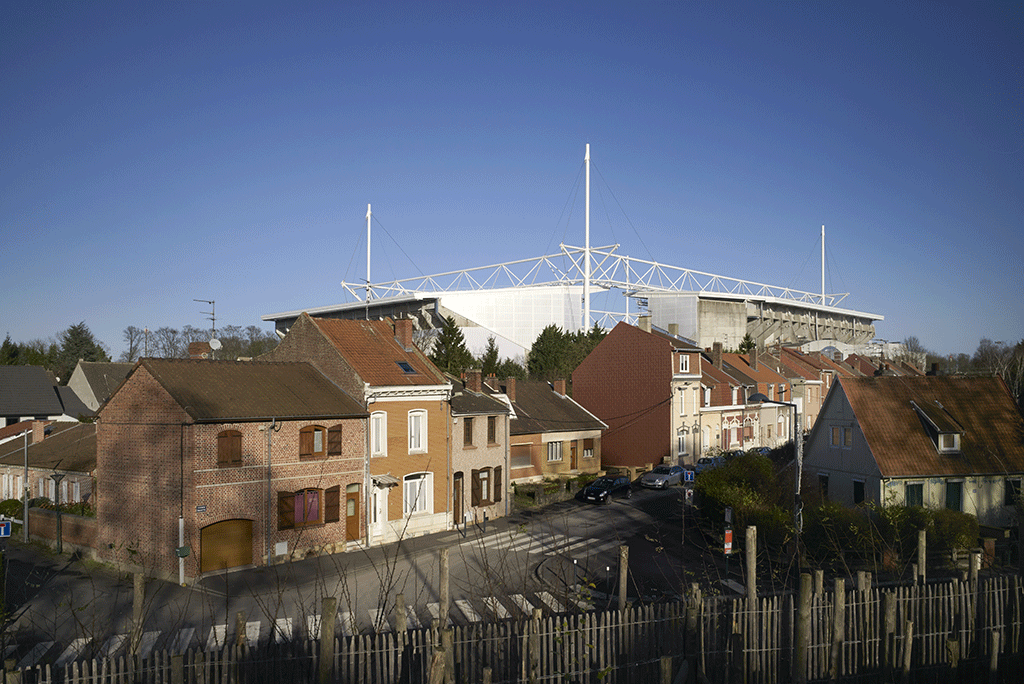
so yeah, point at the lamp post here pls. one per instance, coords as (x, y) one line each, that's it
(57, 477)
(798, 507)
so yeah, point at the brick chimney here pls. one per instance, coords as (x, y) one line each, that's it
(492, 381)
(474, 380)
(716, 354)
(199, 350)
(510, 389)
(753, 358)
(560, 386)
(644, 323)
(673, 329)
(403, 333)
(38, 431)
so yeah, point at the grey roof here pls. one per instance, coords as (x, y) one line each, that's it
(73, 405)
(539, 408)
(28, 391)
(68, 447)
(466, 402)
(104, 378)
(224, 391)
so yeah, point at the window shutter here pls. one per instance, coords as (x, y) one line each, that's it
(334, 441)
(306, 443)
(498, 481)
(229, 448)
(332, 504)
(285, 510)
(475, 488)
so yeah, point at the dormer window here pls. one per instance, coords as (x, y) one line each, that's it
(684, 363)
(949, 442)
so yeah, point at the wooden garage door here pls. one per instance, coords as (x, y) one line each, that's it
(227, 544)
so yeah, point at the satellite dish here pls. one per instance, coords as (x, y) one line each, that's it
(215, 344)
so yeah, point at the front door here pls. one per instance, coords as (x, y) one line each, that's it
(378, 511)
(572, 454)
(457, 498)
(352, 512)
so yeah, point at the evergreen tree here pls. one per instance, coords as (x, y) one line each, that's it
(9, 352)
(77, 342)
(746, 344)
(450, 353)
(489, 361)
(547, 355)
(510, 369)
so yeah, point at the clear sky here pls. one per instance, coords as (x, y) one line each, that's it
(158, 152)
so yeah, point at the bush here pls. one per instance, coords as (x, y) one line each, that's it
(12, 508)
(831, 529)
(952, 530)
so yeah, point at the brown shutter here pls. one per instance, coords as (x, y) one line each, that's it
(334, 441)
(285, 510)
(497, 484)
(332, 504)
(229, 448)
(475, 488)
(306, 443)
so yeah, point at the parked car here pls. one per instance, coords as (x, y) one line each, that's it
(708, 462)
(662, 477)
(603, 489)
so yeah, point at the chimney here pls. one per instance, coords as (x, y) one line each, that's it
(560, 386)
(492, 381)
(644, 322)
(673, 329)
(510, 389)
(934, 370)
(474, 379)
(716, 354)
(199, 350)
(753, 358)
(38, 431)
(403, 333)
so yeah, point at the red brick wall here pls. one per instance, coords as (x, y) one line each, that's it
(626, 382)
(75, 529)
(305, 342)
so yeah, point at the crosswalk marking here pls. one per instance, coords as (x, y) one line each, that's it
(348, 624)
(72, 651)
(37, 652)
(218, 638)
(548, 545)
(493, 605)
(147, 644)
(113, 645)
(282, 630)
(522, 604)
(467, 609)
(252, 632)
(410, 618)
(550, 601)
(182, 639)
(379, 620)
(11, 648)
(312, 626)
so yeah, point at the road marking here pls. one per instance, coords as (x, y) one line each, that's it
(182, 639)
(218, 638)
(522, 604)
(493, 605)
(147, 644)
(348, 624)
(72, 651)
(550, 601)
(312, 626)
(410, 618)
(113, 645)
(252, 632)
(282, 630)
(467, 609)
(379, 620)
(37, 652)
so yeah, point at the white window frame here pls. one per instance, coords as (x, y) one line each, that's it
(484, 477)
(956, 443)
(76, 491)
(684, 363)
(417, 493)
(417, 431)
(707, 396)
(379, 433)
(588, 453)
(682, 401)
(554, 451)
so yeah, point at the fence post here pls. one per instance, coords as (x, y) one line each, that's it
(328, 617)
(922, 561)
(401, 618)
(819, 582)
(889, 644)
(838, 629)
(533, 647)
(177, 669)
(13, 675)
(908, 648)
(445, 597)
(666, 669)
(240, 628)
(803, 630)
(623, 574)
(751, 557)
(993, 657)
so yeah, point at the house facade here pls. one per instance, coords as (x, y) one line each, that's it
(230, 463)
(480, 452)
(66, 449)
(934, 441)
(95, 381)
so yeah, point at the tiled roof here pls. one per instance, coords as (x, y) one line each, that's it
(73, 406)
(69, 446)
(539, 409)
(371, 349)
(720, 376)
(104, 378)
(798, 365)
(222, 391)
(842, 370)
(28, 391)
(466, 402)
(992, 440)
(764, 373)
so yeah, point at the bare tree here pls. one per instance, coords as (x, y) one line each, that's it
(134, 339)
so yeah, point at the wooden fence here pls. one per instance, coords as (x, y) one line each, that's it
(950, 631)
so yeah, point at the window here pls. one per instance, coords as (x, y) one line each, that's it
(312, 442)
(520, 456)
(682, 402)
(307, 507)
(481, 487)
(847, 437)
(492, 429)
(913, 494)
(378, 434)
(707, 396)
(334, 441)
(748, 429)
(554, 451)
(406, 368)
(588, 448)
(735, 396)
(229, 448)
(955, 495)
(684, 363)
(1012, 495)
(823, 485)
(467, 432)
(417, 493)
(837, 435)
(858, 491)
(948, 442)
(417, 432)
(771, 392)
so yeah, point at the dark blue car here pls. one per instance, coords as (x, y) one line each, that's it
(603, 489)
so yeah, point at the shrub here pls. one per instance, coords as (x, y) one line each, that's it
(952, 530)
(12, 508)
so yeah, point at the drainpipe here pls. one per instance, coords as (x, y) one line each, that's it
(181, 504)
(270, 500)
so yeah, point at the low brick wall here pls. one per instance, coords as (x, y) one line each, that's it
(77, 531)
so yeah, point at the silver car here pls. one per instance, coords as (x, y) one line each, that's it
(662, 477)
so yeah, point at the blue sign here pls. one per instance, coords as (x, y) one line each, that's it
(688, 476)
(5, 528)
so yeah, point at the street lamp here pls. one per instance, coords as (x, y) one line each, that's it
(798, 507)
(57, 477)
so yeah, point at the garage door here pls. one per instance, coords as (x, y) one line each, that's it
(227, 544)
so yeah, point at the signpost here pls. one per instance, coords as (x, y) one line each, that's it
(5, 529)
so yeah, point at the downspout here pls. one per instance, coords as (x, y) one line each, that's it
(270, 501)
(181, 505)
(508, 463)
(448, 471)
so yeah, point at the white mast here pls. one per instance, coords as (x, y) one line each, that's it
(823, 265)
(586, 253)
(367, 252)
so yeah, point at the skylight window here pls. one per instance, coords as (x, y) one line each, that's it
(406, 368)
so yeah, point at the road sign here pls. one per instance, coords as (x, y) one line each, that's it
(688, 476)
(728, 541)
(5, 528)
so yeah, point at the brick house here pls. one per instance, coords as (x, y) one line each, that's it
(68, 448)
(550, 435)
(645, 384)
(254, 461)
(480, 448)
(407, 398)
(95, 381)
(940, 442)
(766, 424)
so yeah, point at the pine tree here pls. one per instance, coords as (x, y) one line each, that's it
(9, 352)
(489, 361)
(450, 353)
(76, 343)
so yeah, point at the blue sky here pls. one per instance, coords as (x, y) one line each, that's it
(156, 153)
